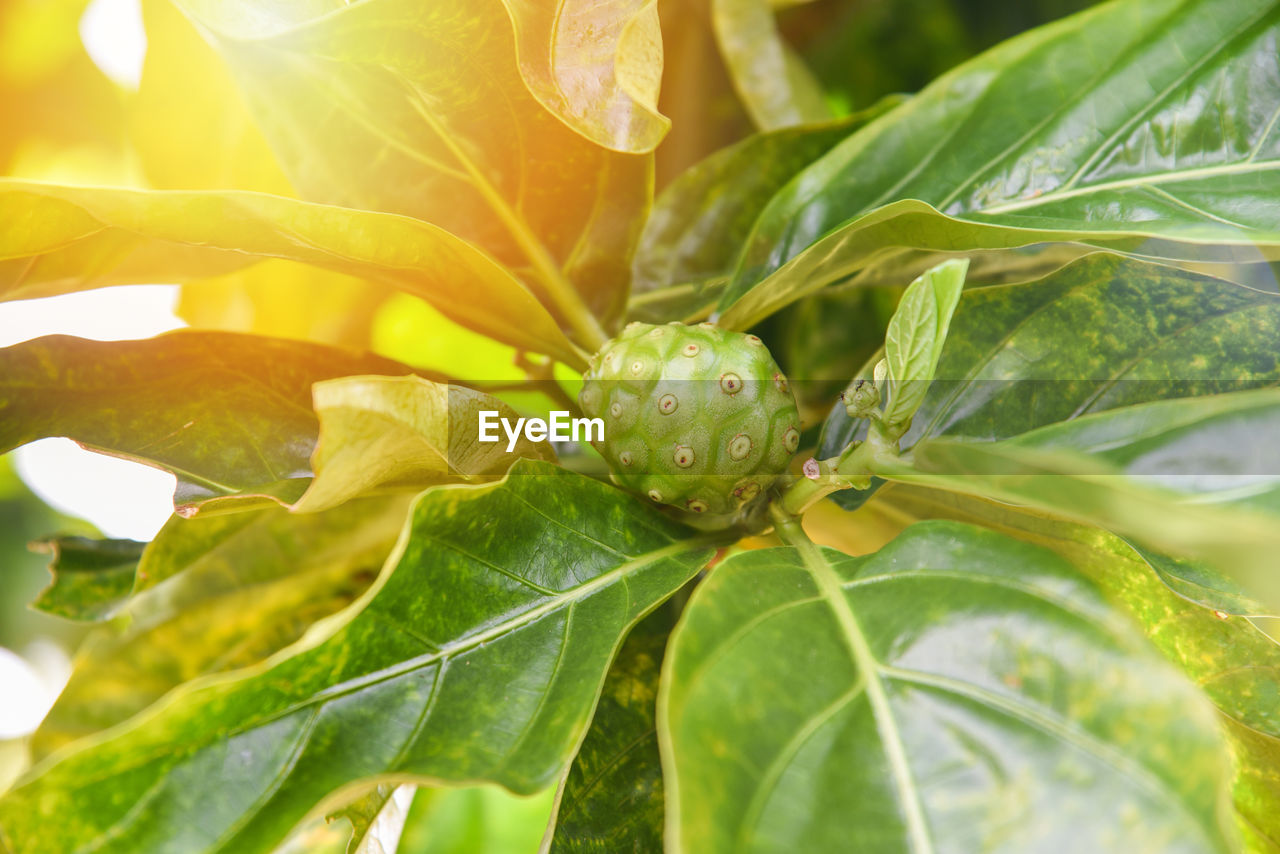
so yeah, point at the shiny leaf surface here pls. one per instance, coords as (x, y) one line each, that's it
(1237, 666)
(955, 691)
(1145, 125)
(483, 637)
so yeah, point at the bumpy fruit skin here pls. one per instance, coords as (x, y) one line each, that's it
(696, 417)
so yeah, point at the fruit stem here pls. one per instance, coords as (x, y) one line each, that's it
(851, 470)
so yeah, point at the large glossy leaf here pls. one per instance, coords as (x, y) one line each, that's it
(1236, 665)
(416, 109)
(769, 76)
(611, 799)
(223, 412)
(215, 594)
(398, 432)
(1144, 125)
(1100, 333)
(62, 239)
(478, 658)
(597, 66)
(956, 691)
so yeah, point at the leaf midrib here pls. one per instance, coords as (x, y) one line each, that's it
(895, 751)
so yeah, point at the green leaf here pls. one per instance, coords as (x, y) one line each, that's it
(1200, 582)
(769, 76)
(251, 426)
(703, 217)
(1100, 333)
(1184, 474)
(916, 334)
(403, 432)
(1236, 665)
(218, 593)
(475, 820)
(597, 66)
(63, 239)
(91, 578)
(364, 110)
(1145, 126)
(611, 799)
(957, 689)
(479, 658)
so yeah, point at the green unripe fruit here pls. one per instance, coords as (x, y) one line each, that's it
(696, 417)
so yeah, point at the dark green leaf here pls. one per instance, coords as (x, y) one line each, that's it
(91, 578)
(611, 800)
(703, 217)
(479, 658)
(956, 691)
(223, 412)
(1146, 126)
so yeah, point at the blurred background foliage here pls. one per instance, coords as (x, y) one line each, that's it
(183, 124)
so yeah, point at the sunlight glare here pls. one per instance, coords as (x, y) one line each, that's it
(115, 40)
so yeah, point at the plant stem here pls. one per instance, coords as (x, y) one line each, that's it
(565, 296)
(851, 470)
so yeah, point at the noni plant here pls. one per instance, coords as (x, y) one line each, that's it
(856, 433)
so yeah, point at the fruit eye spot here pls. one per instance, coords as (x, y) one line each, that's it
(740, 446)
(697, 505)
(615, 409)
(791, 439)
(730, 383)
(754, 341)
(667, 404)
(683, 456)
(625, 458)
(747, 491)
(780, 381)
(691, 350)
(637, 366)
(657, 332)
(655, 495)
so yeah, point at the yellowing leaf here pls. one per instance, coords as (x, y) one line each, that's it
(188, 121)
(378, 431)
(61, 239)
(597, 66)
(772, 80)
(420, 109)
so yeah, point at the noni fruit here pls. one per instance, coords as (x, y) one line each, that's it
(695, 417)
